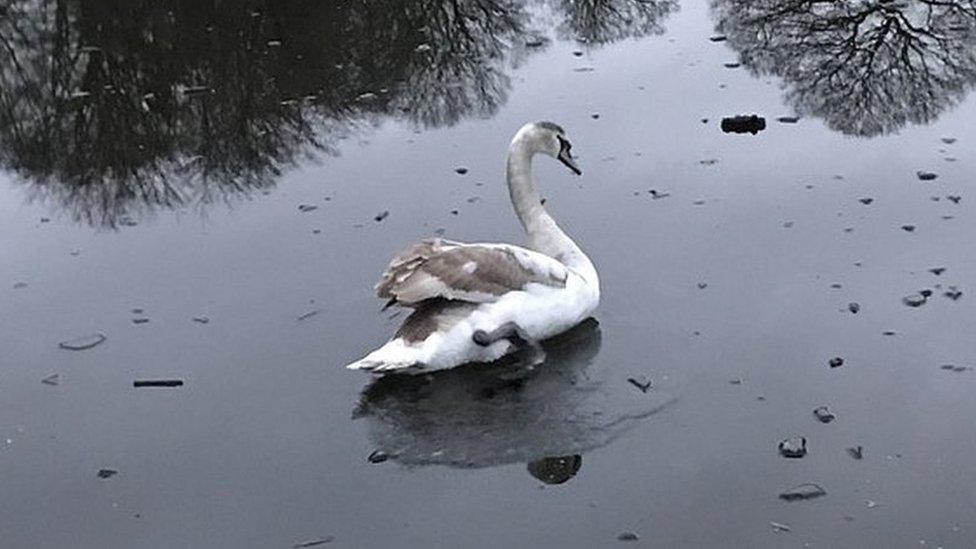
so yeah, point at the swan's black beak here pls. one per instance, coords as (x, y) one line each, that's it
(566, 157)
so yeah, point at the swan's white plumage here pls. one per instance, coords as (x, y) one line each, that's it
(458, 288)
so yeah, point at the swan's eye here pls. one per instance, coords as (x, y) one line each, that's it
(564, 144)
(565, 156)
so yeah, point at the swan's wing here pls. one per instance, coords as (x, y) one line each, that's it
(476, 273)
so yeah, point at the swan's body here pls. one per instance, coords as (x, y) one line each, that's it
(457, 289)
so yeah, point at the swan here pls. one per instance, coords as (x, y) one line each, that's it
(479, 302)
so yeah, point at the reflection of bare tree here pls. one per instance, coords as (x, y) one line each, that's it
(867, 67)
(495, 414)
(604, 21)
(109, 107)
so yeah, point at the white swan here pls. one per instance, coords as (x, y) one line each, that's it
(479, 302)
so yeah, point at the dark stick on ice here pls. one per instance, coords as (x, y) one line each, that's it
(642, 384)
(313, 542)
(308, 315)
(158, 383)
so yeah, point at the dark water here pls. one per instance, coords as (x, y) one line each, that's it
(155, 156)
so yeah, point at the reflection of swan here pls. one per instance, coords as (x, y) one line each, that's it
(477, 302)
(555, 470)
(867, 67)
(491, 415)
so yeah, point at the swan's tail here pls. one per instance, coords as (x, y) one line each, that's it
(381, 367)
(395, 356)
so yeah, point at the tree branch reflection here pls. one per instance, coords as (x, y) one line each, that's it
(113, 109)
(867, 67)
(605, 21)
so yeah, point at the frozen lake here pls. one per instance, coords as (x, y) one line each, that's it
(200, 183)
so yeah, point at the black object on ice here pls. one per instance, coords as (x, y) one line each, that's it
(744, 124)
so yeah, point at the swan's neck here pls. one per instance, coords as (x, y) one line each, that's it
(544, 235)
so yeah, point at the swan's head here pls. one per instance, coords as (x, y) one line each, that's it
(549, 138)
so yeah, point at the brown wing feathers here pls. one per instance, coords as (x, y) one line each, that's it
(437, 268)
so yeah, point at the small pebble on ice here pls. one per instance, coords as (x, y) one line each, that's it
(793, 447)
(803, 492)
(914, 300)
(823, 414)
